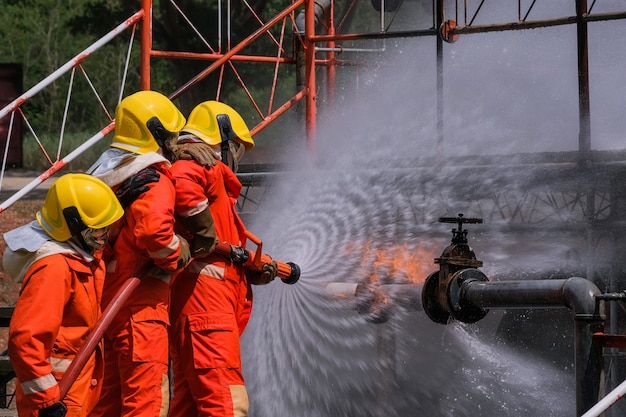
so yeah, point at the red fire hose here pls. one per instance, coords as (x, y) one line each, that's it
(288, 272)
(96, 334)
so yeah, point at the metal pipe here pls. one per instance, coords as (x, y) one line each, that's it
(534, 24)
(341, 49)
(610, 399)
(282, 109)
(146, 44)
(216, 56)
(584, 135)
(577, 294)
(235, 50)
(377, 35)
(319, 8)
(439, 80)
(311, 89)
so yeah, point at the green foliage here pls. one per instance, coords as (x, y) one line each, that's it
(34, 157)
(43, 35)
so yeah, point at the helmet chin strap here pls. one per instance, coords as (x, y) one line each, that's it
(158, 131)
(227, 134)
(76, 226)
(224, 154)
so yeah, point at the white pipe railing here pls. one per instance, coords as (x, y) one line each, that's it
(605, 403)
(11, 107)
(56, 167)
(17, 103)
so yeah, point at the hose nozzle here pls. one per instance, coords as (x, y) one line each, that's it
(293, 276)
(288, 272)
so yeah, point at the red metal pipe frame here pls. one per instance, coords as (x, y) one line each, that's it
(331, 70)
(210, 56)
(282, 109)
(220, 59)
(232, 52)
(375, 35)
(309, 45)
(246, 58)
(146, 44)
(310, 62)
(310, 40)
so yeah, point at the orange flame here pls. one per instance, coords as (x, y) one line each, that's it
(398, 264)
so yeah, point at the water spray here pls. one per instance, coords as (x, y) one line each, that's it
(377, 302)
(460, 291)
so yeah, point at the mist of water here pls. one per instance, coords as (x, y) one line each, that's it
(309, 354)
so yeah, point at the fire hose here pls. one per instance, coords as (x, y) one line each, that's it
(93, 339)
(288, 272)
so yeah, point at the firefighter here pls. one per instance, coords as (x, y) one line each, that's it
(57, 258)
(146, 245)
(211, 299)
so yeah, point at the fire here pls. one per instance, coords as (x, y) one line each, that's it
(398, 264)
(387, 278)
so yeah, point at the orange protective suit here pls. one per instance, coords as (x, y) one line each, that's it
(58, 306)
(211, 302)
(136, 342)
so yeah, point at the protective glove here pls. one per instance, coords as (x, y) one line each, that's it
(199, 152)
(136, 185)
(185, 252)
(58, 409)
(265, 276)
(238, 254)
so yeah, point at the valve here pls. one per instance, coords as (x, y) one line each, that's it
(441, 287)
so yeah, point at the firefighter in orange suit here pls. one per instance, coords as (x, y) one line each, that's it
(211, 299)
(57, 258)
(146, 245)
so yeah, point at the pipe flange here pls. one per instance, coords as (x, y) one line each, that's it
(430, 300)
(460, 308)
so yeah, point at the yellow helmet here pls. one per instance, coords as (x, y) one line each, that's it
(76, 202)
(144, 121)
(215, 122)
